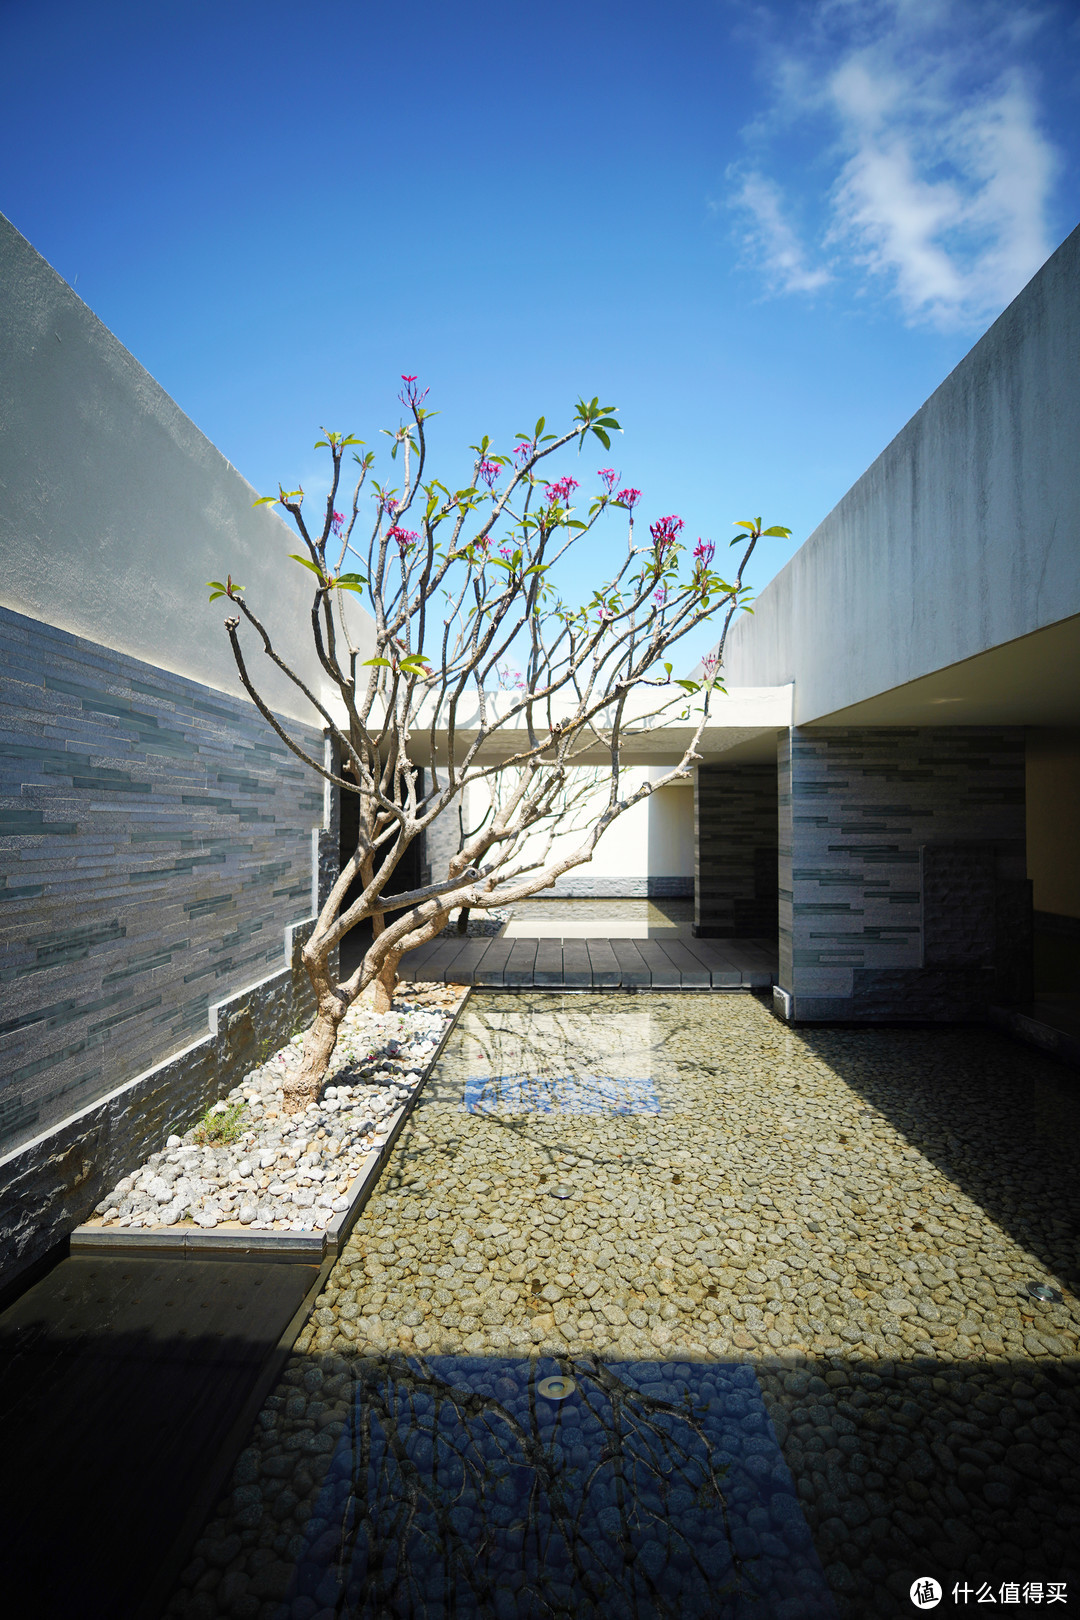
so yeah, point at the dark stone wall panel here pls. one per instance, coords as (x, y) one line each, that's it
(52, 1183)
(155, 843)
(902, 871)
(735, 861)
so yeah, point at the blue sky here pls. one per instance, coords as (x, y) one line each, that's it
(765, 231)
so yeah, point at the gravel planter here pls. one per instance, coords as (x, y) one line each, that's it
(856, 1214)
(290, 1172)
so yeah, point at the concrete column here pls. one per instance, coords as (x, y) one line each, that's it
(903, 892)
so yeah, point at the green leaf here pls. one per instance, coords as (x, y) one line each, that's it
(321, 444)
(667, 669)
(602, 436)
(266, 500)
(304, 563)
(777, 531)
(539, 428)
(377, 663)
(689, 686)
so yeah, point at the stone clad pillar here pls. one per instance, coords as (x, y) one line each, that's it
(735, 852)
(903, 892)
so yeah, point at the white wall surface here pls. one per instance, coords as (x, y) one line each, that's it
(115, 509)
(654, 839)
(963, 535)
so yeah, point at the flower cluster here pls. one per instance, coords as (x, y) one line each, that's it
(610, 477)
(489, 472)
(628, 497)
(406, 538)
(665, 531)
(336, 521)
(559, 493)
(704, 552)
(523, 449)
(411, 395)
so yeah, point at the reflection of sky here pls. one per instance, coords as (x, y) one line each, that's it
(559, 1094)
(654, 1490)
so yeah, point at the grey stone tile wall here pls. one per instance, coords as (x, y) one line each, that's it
(51, 1184)
(156, 839)
(902, 872)
(735, 844)
(620, 888)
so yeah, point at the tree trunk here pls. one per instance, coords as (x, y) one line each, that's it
(385, 983)
(304, 1084)
(463, 920)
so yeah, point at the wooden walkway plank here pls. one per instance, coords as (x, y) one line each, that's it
(548, 971)
(692, 971)
(665, 975)
(577, 969)
(604, 963)
(461, 969)
(520, 963)
(633, 969)
(430, 961)
(491, 968)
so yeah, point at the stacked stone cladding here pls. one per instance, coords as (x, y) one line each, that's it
(156, 841)
(902, 871)
(735, 843)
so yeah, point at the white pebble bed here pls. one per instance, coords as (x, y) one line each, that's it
(291, 1171)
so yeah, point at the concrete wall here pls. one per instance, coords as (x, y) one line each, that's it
(964, 534)
(902, 874)
(115, 510)
(735, 884)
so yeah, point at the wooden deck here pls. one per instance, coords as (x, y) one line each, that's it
(596, 964)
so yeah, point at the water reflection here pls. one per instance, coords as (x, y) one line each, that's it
(559, 1094)
(653, 1490)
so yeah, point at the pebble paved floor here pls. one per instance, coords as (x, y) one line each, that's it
(847, 1218)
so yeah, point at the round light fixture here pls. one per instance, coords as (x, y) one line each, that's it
(557, 1388)
(1043, 1291)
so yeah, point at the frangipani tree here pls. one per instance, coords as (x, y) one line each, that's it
(429, 714)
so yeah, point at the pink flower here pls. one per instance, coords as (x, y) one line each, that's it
(660, 595)
(610, 477)
(410, 395)
(559, 493)
(709, 663)
(628, 497)
(505, 553)
(703, 552)
(664, 531)
(406, 538)
(523, 450)
(336, 521)
(490, 472)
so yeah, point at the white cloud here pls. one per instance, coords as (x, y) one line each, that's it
(772, 240)
(940, 176)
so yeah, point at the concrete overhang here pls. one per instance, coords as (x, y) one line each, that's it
(743, 723)
(1032, 681)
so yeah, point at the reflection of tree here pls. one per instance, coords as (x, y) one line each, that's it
(495, 1502)
(555, 1044)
